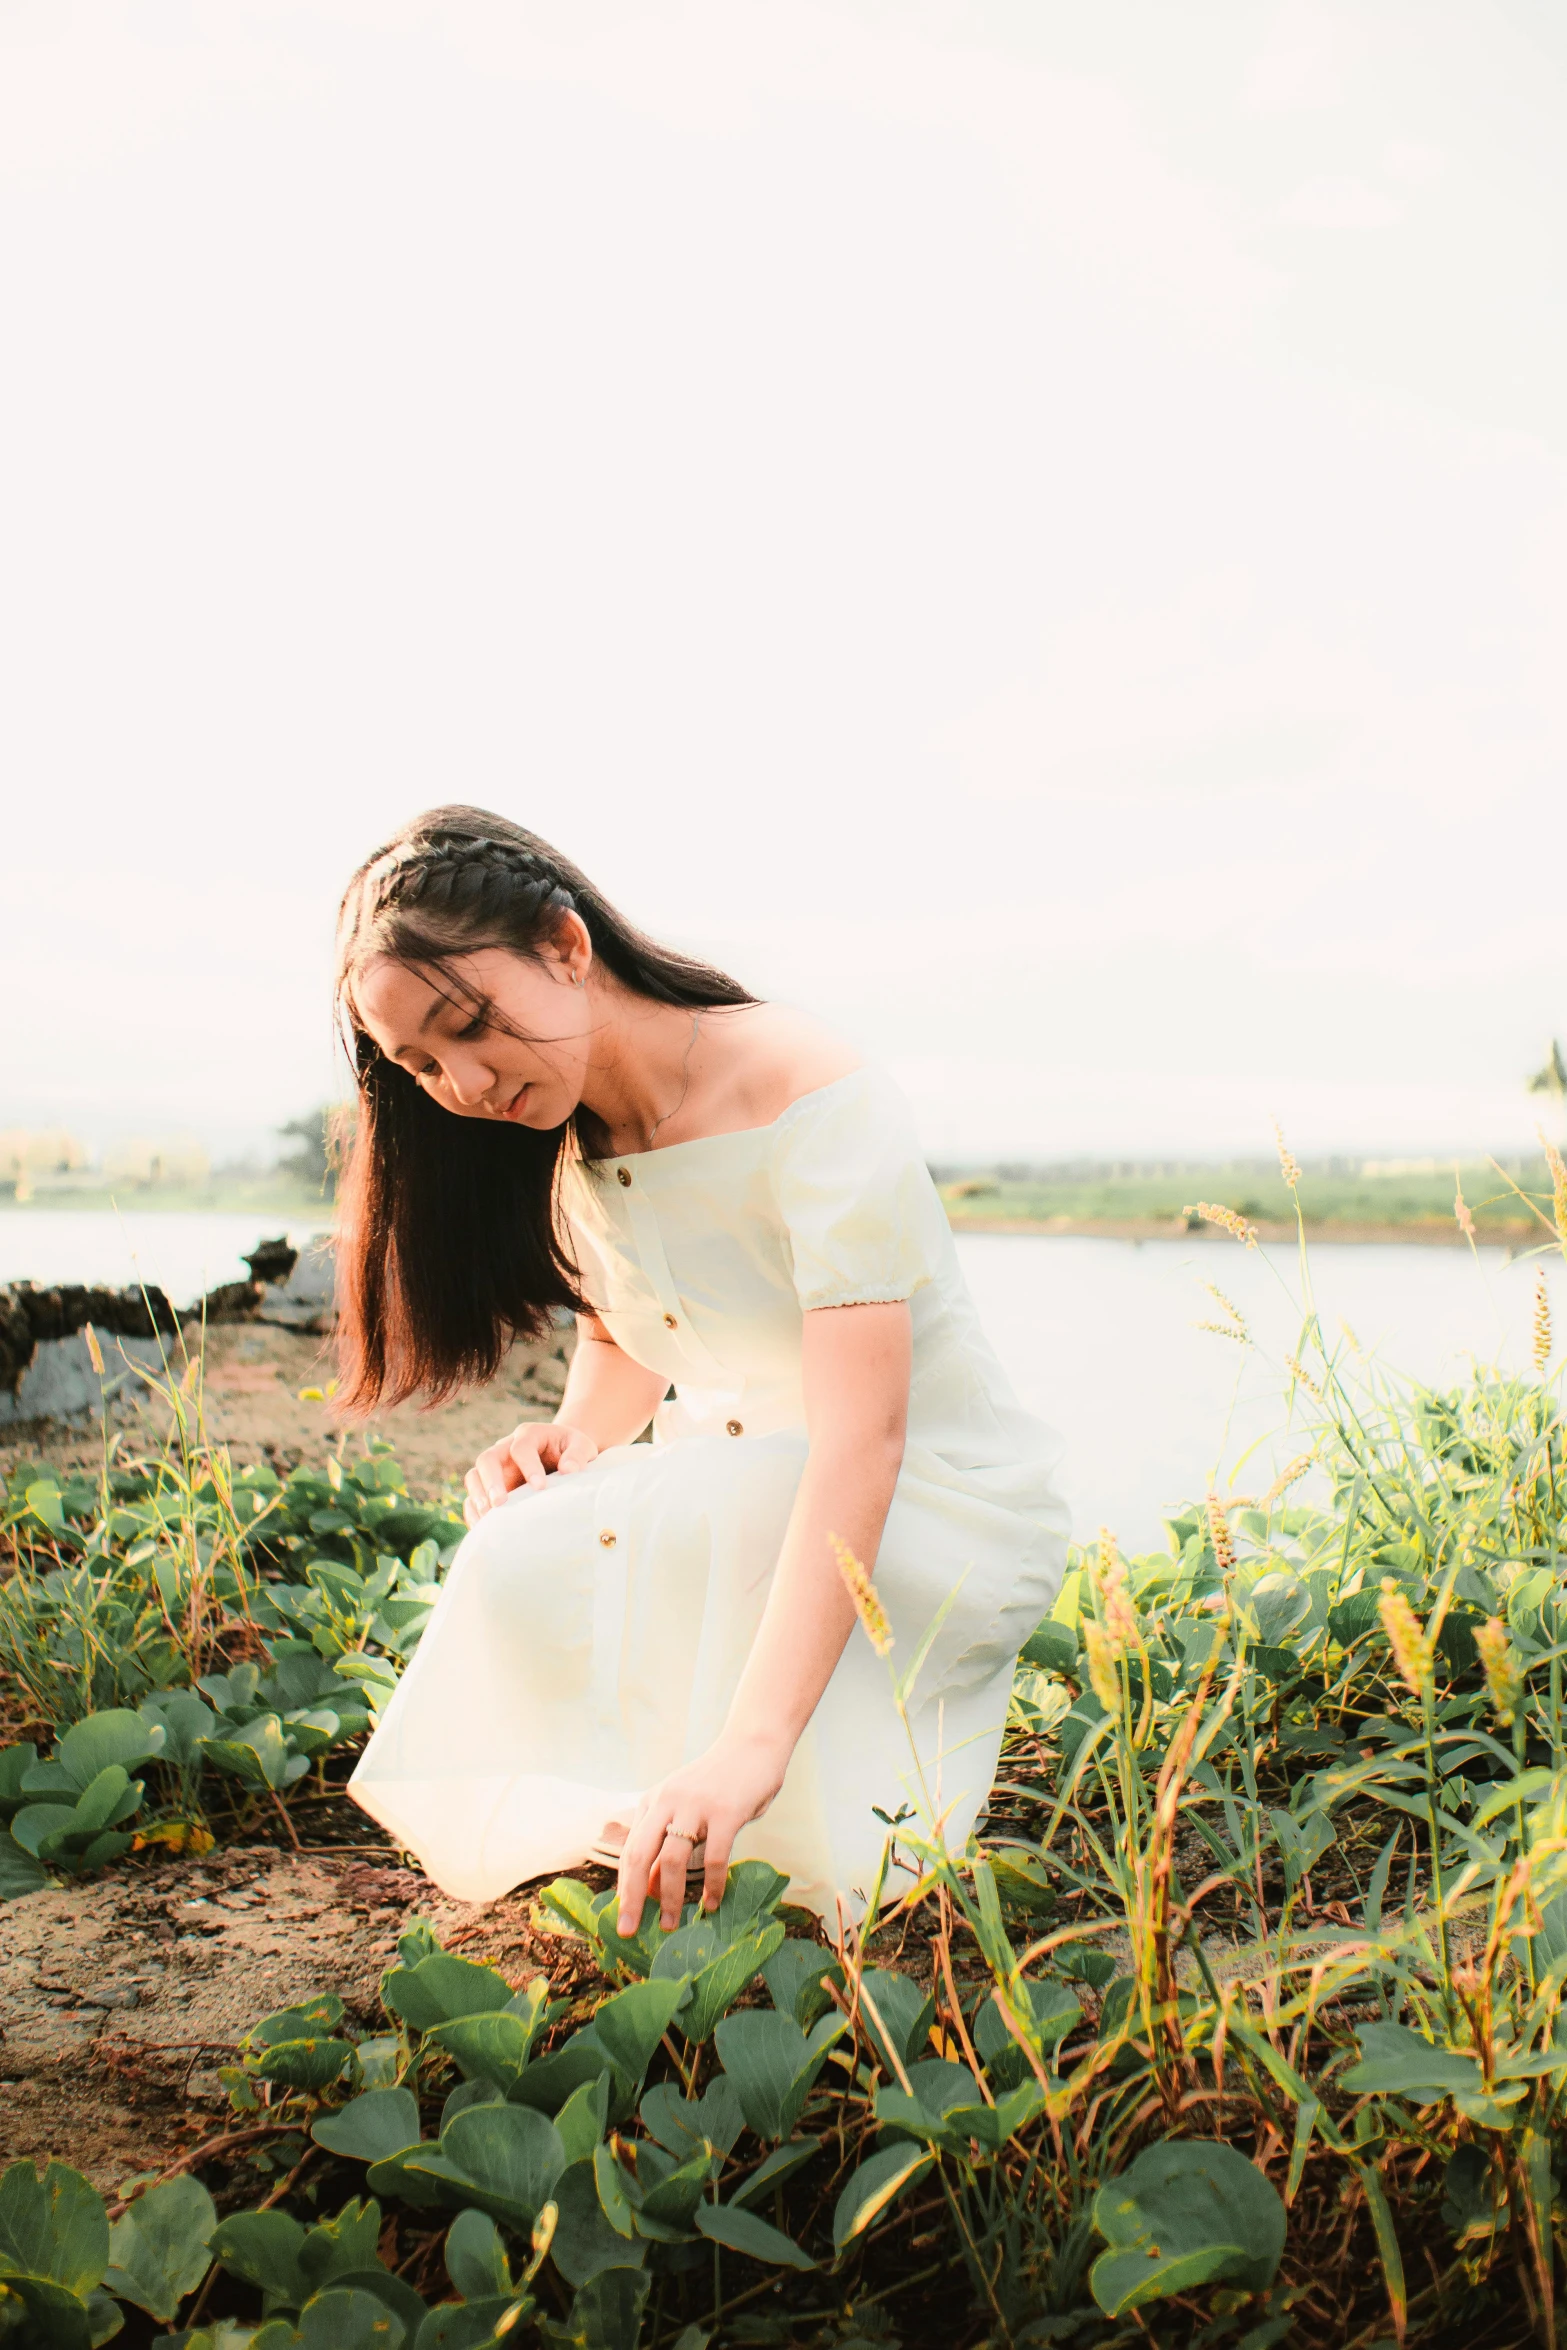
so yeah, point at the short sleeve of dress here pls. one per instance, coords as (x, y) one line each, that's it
(859, 1209)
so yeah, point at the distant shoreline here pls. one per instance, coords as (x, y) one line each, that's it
(1413, 1231)
(269, 1205)
(1426, 1232)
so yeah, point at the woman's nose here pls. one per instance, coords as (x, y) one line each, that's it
(469, 1078)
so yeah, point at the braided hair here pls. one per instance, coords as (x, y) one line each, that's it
(449, 1243)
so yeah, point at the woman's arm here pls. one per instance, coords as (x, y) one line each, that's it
(855, 1364)
(608, 1400)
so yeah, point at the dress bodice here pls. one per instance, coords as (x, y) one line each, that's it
(702, 1259)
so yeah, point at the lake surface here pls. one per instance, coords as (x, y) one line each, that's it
(1099, 1336)
(1101, 1339)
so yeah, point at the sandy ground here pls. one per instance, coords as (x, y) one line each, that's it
(251, 1381)
(121, 1997)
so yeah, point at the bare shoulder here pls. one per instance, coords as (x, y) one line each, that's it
(765, 1056)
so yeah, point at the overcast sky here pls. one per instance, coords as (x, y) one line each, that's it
(1034, 529)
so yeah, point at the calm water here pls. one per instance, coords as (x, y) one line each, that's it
(1099, 1336)
(1101, 1340)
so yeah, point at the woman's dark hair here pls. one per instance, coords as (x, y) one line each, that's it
(448, 1242)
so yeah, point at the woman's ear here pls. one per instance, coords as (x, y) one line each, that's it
(572, 949)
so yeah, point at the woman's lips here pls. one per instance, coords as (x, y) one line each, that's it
(517, 1101)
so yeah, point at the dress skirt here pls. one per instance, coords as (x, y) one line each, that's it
(589, 1640)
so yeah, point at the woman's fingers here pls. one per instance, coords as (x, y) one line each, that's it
(672, 1878)
(522, 1454)
(525, 1457)
(637, 1857)
(573, 1449)
(715, 1873)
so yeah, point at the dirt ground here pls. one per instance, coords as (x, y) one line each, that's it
(252, 1378)
(121, 1997)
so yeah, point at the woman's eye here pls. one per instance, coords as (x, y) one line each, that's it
(475, 1027)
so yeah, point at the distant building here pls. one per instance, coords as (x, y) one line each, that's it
(169, 1160)
(28, 1154)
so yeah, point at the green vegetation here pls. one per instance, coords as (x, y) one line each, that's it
(274, 1194)
(1343, 1193)
(1240, 2022)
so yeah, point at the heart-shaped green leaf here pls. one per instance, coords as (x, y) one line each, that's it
(684, 2125)
(113, 1739)
(878, 2182)
(631, 2024)
(606, 2312)
(794, 1974)
(312, 2065)
(440, 1988)
(372, 2127)
(158, 2250)
(21, 1872)
(315, 2018)
(584, 2240)
(1186, 2213)
(742, 2231)
(895, 2015)
(772, 2064)
(1397, 2062)
(53, 2227)
(476, 2258)
(336, 2320)
(47, 2316)
(491, 2047)
(503, 2158)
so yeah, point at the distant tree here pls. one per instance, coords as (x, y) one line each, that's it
(321, 1135)
(1553, 1077)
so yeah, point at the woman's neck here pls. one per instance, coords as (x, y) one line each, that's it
(641, 1067)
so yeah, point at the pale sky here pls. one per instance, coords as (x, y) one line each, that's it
(1034, 529)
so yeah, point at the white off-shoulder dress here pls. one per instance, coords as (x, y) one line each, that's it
(591, 1633)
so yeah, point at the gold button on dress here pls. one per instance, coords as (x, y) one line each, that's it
(623, 1175)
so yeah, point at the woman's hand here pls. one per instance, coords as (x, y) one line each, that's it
(526, 1457)
(710, 1800)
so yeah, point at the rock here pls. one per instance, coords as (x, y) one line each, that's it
(46, 1368)
(304, 1299)
(272, 1260)
(60, 1382)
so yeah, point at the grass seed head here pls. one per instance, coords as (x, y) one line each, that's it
(1542, 1324)
(1503, 1675)
(1285, 1479)
(1298, 1371)
(94, 1350)
(1220, 1536)
(1102, 1674)
(1117, 1616)
(1466, 1222)
(863, 1593)
(1235, 1327)
(1212, 1213)
(1414, 1651)
(1289, 1166)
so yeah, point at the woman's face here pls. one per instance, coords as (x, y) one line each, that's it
(514, 1044)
